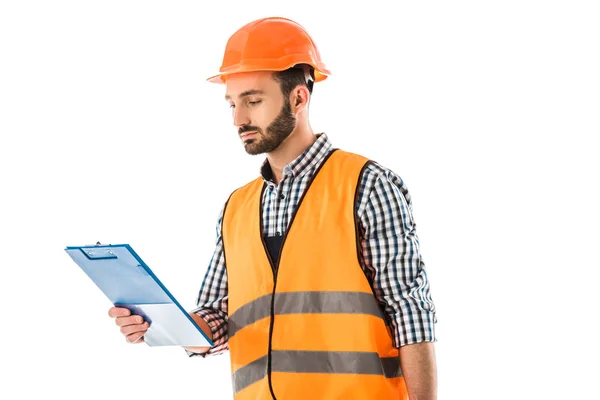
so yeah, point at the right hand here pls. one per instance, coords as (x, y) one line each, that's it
(133, 327)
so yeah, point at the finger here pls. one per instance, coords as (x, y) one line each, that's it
(114, 312)
(129, 329)
(135, 337)
(132, 320)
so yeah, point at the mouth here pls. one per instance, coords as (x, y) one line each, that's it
(248, 135)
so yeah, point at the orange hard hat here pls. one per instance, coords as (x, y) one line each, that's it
(270, 44)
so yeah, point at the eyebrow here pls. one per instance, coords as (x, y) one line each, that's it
(246, 93)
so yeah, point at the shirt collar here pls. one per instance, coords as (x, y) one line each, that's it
(309, 160)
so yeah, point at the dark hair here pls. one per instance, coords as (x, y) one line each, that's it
(292, 77)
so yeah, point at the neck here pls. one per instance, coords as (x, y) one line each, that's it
(299, 140)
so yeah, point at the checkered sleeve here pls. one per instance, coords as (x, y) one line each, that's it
(391, 257)
(212, 298)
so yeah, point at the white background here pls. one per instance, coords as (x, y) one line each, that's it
(488, 110)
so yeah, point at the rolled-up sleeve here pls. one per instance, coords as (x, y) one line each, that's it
(213, 299)
(392, 259)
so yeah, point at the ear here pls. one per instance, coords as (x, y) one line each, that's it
(299, 98)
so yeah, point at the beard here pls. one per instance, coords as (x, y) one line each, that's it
(277, 132)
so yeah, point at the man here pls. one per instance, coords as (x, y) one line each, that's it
(316, 286)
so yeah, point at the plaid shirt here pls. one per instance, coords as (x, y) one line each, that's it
(390, 254)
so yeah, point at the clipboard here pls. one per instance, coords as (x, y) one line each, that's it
(128, 282)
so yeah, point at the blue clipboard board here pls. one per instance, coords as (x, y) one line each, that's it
(128, 282)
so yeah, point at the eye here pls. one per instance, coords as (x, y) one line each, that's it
(253, 103)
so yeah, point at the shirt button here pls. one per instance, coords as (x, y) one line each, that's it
(278, 233)
(282, 196)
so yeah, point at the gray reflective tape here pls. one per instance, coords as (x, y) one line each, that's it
(335, 362)
(323, 362)
(304, 303)
(249, 314)
(249, 374)
(326, 303)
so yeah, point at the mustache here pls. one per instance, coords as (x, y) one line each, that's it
(249, 129)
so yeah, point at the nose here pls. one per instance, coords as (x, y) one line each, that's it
(240, 117)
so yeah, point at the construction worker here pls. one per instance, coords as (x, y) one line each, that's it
(317, 286)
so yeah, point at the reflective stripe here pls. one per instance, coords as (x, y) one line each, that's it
(324, 362)
(249, 314)
(249, 374)
(304, 303)
(336, 362)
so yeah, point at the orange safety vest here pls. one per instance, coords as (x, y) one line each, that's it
(309, 326)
